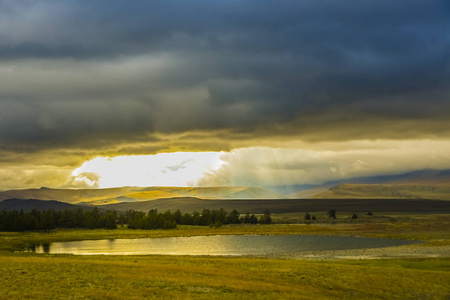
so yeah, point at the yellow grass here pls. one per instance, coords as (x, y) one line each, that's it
(156, 277)
(156, 194)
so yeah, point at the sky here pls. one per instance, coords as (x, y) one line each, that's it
(216, 93)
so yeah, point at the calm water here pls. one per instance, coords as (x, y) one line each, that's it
(215, 245)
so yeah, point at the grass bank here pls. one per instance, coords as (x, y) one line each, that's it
(180, 277)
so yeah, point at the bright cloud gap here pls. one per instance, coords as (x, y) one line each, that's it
(263, 166)
(162, 169)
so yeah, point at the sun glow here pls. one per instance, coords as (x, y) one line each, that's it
(162, 169)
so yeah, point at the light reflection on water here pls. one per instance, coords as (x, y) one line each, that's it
(230, 245)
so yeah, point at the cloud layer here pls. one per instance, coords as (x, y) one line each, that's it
(263, 166)
(80, 79)
(252, 166)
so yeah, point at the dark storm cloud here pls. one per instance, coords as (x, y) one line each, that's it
(84, 74)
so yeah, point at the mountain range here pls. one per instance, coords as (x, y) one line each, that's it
(422, 184)
(136, 194)
(417, 185)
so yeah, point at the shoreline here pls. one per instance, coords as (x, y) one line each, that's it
(397, 252)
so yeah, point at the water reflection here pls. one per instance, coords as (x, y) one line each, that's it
(215, 245)
(41, 248)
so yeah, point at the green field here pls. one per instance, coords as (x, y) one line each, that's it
(27, 275)
(78, 277)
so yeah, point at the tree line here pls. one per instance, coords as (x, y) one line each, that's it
(15, 220)
(168, 220)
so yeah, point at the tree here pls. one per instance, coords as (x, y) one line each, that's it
(186, 219)
(48, 220)
(217, 224)
(355, 216)
(233, 217)
(122, 220)
(169, 224)
(177, 216)
(168, 215)
(206, 217)
(218, 215)
(95, 214)
(89, 222)
(332, 214)
(266, 218)
(253, 219)
(245, 219)
(68, 219)
(196, 218)
(369, 213)
(307, 216)
(110, 221)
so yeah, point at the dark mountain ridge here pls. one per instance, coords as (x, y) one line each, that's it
(30, 204)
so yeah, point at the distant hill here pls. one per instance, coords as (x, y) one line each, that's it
(72, 196)
(427, 176)
(428, 183)
(30, 204)
(189, 205)
(135, 194)
(423, 184)
(242, 192)
(389, 191)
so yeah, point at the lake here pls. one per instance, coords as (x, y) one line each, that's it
(228, 245)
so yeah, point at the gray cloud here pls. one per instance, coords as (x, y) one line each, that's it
(86, 74)
(262, 166)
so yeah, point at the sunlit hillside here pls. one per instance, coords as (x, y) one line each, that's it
(134, 194)
(395, 191)
(423, 184)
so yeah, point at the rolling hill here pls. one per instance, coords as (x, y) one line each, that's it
(425, 184)
(368, 192)
(135, 194)
(387, 191)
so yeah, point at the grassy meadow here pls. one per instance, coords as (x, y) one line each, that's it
(46, 276)
(116, 277)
